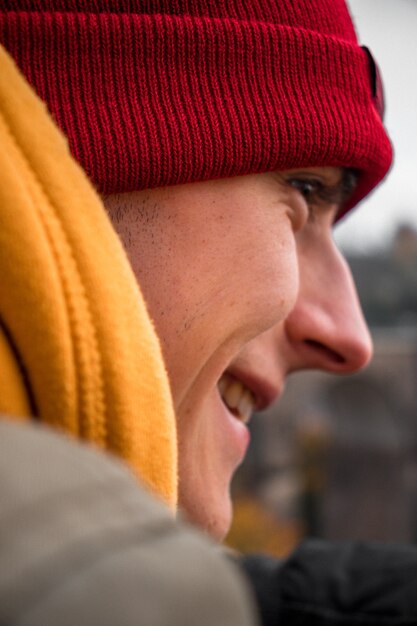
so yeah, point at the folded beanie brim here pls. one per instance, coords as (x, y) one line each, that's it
(156, 100)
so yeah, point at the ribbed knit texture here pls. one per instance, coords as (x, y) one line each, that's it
(161, 92)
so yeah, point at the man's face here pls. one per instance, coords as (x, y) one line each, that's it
(245, 285)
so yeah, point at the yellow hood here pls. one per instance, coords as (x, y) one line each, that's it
(77, 348)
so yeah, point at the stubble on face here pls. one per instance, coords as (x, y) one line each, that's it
(210, 258)
(137, 219)
(218, 265)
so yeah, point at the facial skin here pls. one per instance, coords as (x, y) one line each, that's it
(245, 285)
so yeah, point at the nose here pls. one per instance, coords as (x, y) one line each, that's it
(326, 329)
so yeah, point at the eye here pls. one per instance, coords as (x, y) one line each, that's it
(318, 195)
(310, 189)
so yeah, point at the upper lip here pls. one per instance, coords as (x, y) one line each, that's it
(265, 391)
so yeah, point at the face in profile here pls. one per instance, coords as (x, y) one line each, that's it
(245, 285)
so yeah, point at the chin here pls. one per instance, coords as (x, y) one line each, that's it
(213, 518)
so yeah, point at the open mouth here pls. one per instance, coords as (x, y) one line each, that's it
(238, 398)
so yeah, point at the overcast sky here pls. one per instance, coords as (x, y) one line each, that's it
(389, 29)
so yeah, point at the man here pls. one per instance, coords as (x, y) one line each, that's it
(226, 141)
(244, 267)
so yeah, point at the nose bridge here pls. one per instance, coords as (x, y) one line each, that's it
(327, 327)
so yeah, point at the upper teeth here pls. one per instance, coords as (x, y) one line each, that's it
(237, 397)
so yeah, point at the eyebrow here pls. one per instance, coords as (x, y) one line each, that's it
(342, 190)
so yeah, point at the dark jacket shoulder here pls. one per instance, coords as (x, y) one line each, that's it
(330, 584)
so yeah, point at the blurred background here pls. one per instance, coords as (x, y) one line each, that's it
(338, 457)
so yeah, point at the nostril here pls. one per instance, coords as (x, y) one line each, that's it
(328, 353)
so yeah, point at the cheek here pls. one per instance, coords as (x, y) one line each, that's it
(234, 289)
(209, 293)
(283, 281)
(218, 286)
(271, 282)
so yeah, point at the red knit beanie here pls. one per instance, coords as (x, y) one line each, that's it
(160, 92)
